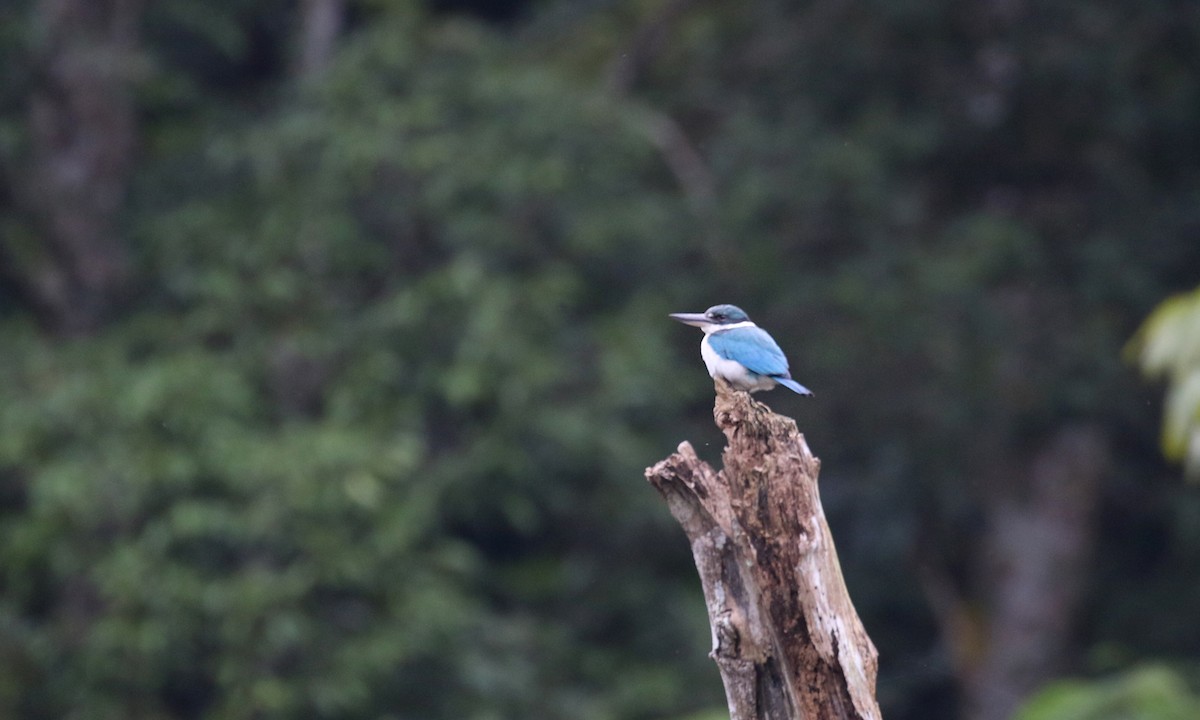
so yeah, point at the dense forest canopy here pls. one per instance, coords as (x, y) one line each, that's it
(333, 345)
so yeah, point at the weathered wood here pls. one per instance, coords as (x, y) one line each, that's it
(786, 638)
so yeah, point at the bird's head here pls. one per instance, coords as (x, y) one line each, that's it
(713, 318)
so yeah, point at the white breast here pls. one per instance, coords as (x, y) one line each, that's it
(732, 370)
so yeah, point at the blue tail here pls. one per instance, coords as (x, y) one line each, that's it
(792, 385)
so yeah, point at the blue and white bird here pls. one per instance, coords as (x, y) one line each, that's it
(740, 352)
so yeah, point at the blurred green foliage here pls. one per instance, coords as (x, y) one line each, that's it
(359, 451)
(1168, 346)
(1145, 693)
(368, 439)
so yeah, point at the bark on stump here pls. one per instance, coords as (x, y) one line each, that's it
(786, 638)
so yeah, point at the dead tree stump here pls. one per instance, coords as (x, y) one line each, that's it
(786, 638)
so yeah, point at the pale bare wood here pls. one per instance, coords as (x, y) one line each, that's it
(786, 638)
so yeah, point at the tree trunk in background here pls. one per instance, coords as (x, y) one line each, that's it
(82, 132)
(786, 637)
(1009, 634)
(1038, 551)
(320, 24)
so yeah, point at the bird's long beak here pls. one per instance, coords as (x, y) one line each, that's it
(696, 319)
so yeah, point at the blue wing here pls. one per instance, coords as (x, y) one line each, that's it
(753, 348)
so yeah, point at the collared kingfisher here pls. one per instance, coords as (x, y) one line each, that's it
(740, 352)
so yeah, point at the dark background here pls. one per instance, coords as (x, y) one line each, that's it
(333, 344)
